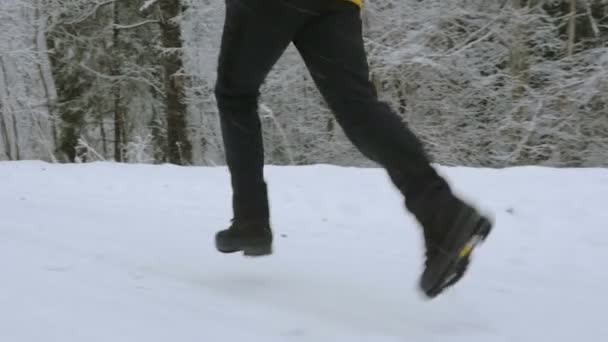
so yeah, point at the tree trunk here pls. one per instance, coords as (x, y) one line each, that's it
(571, 28)
(119, 122)
(180, 149)
(118, 125)
(8, 116)
(4, 133)
(518, 61)
(104, 140)
(48, 83)
(519, 67)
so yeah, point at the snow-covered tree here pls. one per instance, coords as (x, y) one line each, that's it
(27, 92)
(483, 83)
(490, 83)
(106, 62)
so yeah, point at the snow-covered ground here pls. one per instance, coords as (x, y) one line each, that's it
(108, 252)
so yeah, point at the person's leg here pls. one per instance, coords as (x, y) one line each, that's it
(256, 33)
(332, 47)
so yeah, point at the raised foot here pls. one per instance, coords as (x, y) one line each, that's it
(451, 268)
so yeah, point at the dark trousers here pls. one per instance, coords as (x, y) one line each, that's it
(327, 34)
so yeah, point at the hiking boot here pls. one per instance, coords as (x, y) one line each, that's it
(252, 237)
(452, 230)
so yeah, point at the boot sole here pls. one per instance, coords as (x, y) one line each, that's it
(257, 251)
(451, 268)
(251, 251)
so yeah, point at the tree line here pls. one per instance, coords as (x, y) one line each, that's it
(484, 83)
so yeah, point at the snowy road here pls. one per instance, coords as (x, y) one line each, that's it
(108, 252)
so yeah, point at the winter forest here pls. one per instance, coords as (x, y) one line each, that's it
(489, 83)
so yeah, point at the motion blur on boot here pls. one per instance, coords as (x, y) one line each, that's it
(452, 230)
(252, 237)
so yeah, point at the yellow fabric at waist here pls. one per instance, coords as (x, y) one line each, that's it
(356, 2)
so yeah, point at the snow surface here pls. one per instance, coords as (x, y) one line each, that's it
(110, 252)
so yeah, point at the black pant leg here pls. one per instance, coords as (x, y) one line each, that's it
(255, 34)
(332, 47)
